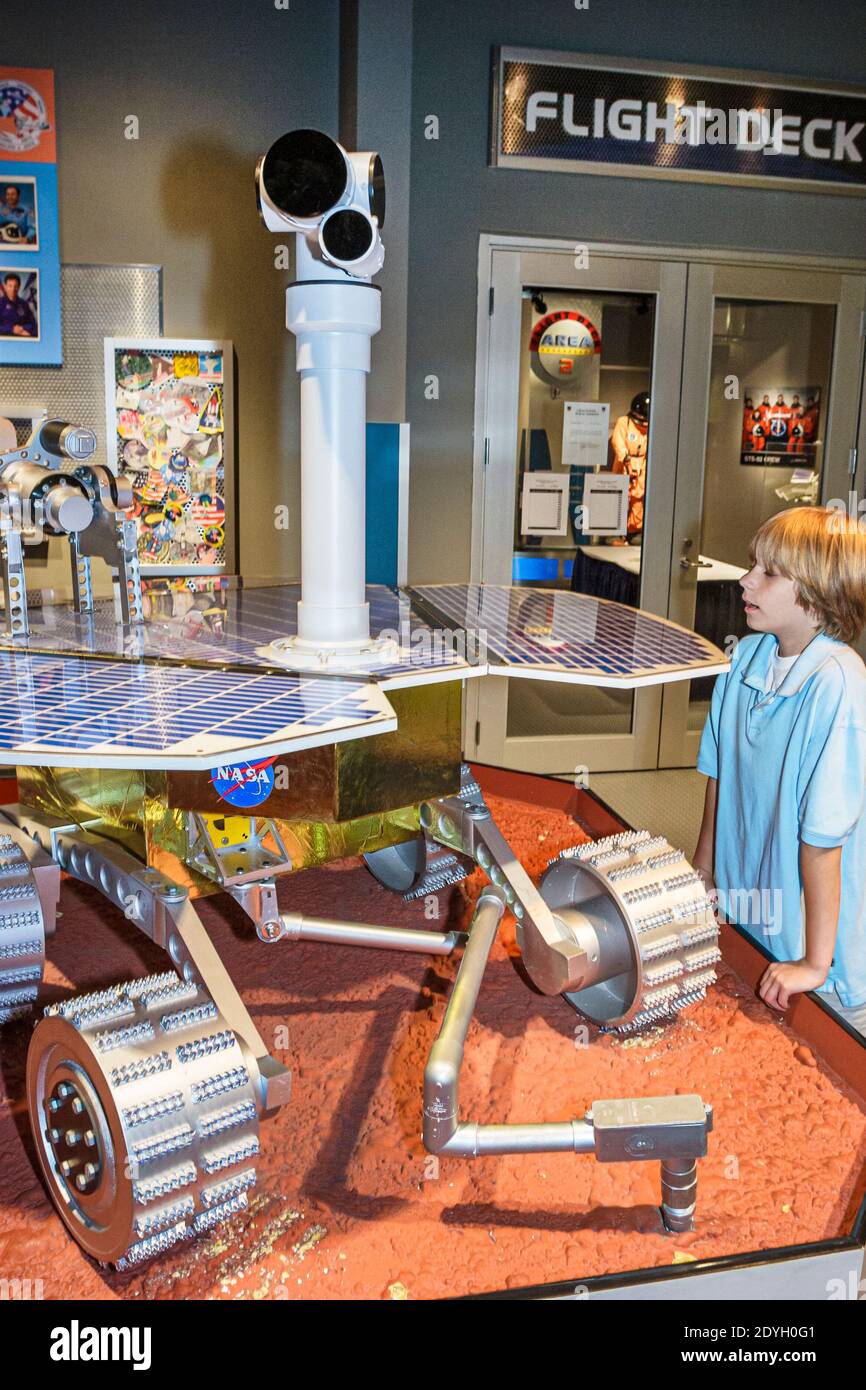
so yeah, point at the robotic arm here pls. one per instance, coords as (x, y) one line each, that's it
(47, 487)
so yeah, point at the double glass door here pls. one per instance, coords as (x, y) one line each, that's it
(719, 392)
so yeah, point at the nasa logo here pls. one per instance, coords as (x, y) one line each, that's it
(23, 117)
(244, 784)
(558, 339)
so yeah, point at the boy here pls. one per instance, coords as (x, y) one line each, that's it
(784, 749)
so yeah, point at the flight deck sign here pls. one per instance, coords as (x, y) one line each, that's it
(585, 114)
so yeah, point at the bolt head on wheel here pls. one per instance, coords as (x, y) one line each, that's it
(88, 1179)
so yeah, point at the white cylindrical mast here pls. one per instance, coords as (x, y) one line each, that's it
(333, 321)
(335, 203)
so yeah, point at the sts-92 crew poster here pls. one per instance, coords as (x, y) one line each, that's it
(780, 426)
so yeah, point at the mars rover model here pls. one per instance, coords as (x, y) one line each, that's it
(148, 764)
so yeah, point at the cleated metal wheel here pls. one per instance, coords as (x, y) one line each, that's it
(642, 915)
(144, 1111)
(420, 866)
(22, 933)
(416, 867)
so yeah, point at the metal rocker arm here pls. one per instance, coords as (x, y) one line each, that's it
(162, 910)
(554, 962)
(672, 1129)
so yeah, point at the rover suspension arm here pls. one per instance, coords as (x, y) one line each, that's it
(162, 910)
(671, 1129)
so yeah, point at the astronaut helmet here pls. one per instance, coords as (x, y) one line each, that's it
(640, 408)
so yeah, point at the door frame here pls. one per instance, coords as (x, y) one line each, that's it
(492, 396)
(678, 746)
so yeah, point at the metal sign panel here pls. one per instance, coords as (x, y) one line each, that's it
(583, 113)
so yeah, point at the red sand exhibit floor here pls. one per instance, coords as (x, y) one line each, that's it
(349, 1205)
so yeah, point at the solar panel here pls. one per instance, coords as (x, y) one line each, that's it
(249, 621)
(62, 711)
(551, 634)
(446, 632)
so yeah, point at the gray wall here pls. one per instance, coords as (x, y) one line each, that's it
(376, 93)
(212, 86)
(455, 196)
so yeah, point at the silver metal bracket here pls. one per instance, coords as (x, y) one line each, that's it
(82, 584)
(237, 861)
(554, 963)
(112, 537)
(15, 618)
(259, 902)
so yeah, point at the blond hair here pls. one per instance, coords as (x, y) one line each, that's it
(823, 550)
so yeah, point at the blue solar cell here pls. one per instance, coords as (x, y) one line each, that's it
(68, 705)
(559, 631)
(252, 619)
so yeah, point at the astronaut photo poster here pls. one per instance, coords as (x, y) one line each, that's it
(30, 327)
(780, 425)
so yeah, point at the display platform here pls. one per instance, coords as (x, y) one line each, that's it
(350, 1206)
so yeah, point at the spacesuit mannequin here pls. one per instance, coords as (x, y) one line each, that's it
(628, 454)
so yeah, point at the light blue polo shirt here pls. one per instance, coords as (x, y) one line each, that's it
(791, 766)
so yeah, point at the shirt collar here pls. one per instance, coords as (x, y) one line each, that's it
(812, 657)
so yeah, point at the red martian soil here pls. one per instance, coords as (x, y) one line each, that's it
(349, 1205)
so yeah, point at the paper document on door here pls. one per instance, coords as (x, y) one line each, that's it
(585, 434)
(544, 504)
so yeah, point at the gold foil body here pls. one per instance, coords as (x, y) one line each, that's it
(328, 803)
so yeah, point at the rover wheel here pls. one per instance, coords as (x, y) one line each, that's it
(22, 932)
(420, 866)
(145, 1116)
(646, 922)
(416, 867)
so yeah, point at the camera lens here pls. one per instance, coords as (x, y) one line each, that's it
(347, 235)
(304, 173)
(376, 186)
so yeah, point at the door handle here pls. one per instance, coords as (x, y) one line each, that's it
(686, 563)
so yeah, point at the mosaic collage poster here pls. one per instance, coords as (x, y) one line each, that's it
(167, 420)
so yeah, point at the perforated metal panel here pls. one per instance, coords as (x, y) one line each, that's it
(99, 301)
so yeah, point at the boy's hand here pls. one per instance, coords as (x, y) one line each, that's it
(786, 977)
(705, 874)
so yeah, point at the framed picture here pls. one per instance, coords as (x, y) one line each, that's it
(19, 216)
(19, 304)
(30, 318)
(780, 426)
(169, 425)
